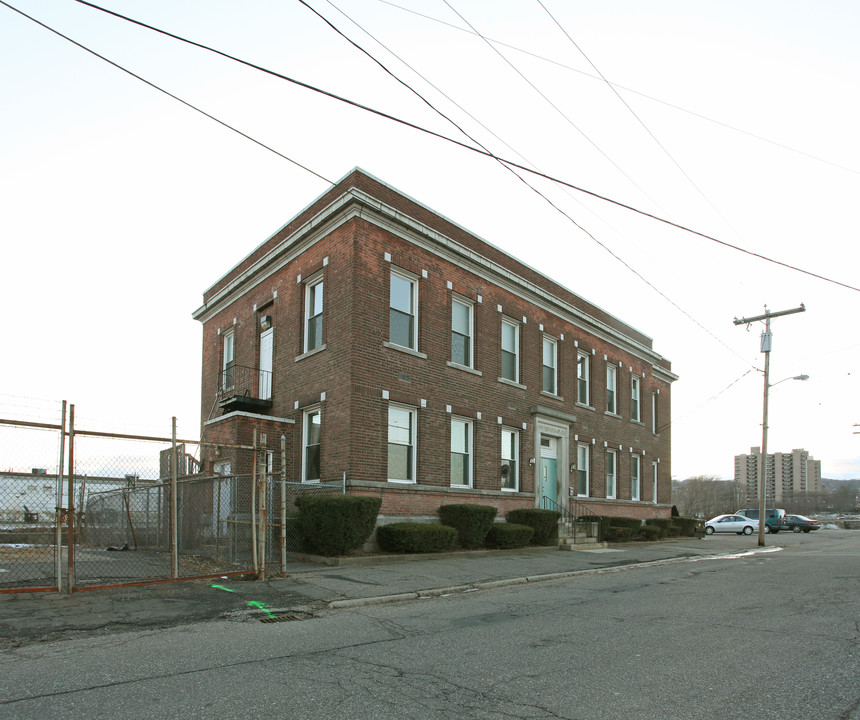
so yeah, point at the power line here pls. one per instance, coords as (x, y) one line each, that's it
(165, 92)
(537, 56)
(480, 151)
(406, 123)
(638, 119)
(530, 186)
(553, 105)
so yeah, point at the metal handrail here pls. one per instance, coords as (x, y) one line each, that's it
(568, 515)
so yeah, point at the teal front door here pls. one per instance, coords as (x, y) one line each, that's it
(548, 482)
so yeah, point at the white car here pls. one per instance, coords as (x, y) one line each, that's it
(731, 523)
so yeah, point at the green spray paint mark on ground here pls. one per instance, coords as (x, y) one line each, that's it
(261, 606)
(221, 587)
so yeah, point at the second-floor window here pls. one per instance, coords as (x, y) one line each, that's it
(550, 350)
(313, 315)
(635, 409)
(403, 311)
(582, 376)
(227, 363)
(611, 390)
(510, 351)
(461, 332)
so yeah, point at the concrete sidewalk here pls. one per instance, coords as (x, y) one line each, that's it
(314, 588)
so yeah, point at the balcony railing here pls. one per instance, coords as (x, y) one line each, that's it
(244, 388)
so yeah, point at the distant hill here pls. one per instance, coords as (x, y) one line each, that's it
(834, 485)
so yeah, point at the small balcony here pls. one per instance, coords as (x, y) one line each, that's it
(244, 388)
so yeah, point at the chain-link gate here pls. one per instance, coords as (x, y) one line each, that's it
(138, 509)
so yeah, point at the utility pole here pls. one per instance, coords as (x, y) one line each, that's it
(766, 343)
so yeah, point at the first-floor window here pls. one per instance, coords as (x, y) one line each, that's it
(401, 443)
(461, 452)
(510, 457)
(635, 463)
(582, 470)
(611, 472)
(654, 480)
(313, 425)
(635, 471)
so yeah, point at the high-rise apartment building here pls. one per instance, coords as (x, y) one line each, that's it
(789, 475)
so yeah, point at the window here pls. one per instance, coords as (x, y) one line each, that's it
(461, 452)
(510, 350)
(311, 441)
(403, 316)
(611, 397)
(227, 366)
(635, 466)
(635, 412)
(582, 374)
(401, 443)
(510, 459)
(264, 382)
(461, 332)
(654, 481)
(654, 413)
(582, 452)
(550, 348)
(313, 315)
(611, 472)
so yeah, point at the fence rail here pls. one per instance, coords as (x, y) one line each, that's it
(87, 509)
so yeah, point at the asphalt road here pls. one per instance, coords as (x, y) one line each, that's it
(768, 635)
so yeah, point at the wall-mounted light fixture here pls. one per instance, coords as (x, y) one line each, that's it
(266, 322)
(532, 461)
(572, 467)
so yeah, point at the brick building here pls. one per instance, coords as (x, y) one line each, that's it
(391, 348)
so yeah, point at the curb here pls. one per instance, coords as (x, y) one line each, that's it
(524, 580)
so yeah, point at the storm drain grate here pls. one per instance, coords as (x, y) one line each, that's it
(286, 617)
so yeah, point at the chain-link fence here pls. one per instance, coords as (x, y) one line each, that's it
(138, 509)
(31, 490)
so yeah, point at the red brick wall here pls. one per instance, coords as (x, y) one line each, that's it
(355, 368)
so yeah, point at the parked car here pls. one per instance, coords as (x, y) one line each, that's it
(773, 522)
(798, 523)
(731, 523)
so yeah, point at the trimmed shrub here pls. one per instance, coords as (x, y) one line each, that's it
(509, 535)
(335, 524)
(543, 522)
(617, 534)
(651, 532)
(472, 522)
(686, 525)
(625, 522)
(407, 537)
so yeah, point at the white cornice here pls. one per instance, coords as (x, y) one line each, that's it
(357, 203)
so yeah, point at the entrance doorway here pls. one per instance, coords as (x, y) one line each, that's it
(548, 473)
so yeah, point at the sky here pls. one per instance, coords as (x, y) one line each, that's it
(120, 205)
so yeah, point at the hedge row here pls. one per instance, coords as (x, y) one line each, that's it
(337, 524)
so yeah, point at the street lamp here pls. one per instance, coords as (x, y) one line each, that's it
(766, 342)
(762, 517)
